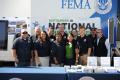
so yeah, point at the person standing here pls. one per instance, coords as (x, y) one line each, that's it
(83, 48)
(93, 36)
(33, 38)
(101, 45)
(22, 49)
(51, 33)
(42, 49)
(70, 50)
(75, 35)
(57, 51)
(64, 35)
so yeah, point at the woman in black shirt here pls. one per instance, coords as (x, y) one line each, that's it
(42, 49)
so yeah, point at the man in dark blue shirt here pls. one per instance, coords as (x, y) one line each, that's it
(22, 49)
(84, 46)
(64, 35)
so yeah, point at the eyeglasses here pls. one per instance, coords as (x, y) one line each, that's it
(24, 32)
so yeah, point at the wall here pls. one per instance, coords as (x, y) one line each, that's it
(13, 8)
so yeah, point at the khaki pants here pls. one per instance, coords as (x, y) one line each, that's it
(44, 61)
(83, 59)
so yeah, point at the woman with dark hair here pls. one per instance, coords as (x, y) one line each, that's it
(57, 51)
(75, 34)
(70, 50)
(42, 49)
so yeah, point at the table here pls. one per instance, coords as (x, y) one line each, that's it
(51, 73)
(40, 73)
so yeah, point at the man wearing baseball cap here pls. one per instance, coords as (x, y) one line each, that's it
(21, 49)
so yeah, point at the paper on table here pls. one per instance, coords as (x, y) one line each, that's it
(110, 69)
(117, 61)
(92, 61)
(105, 61)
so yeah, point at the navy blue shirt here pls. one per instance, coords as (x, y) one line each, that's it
(23, 49)
(58, 51)
(43, 48)
(64, 39)
(83, 43)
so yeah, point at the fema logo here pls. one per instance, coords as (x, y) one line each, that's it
(103, 6)
(86, 78)
(15, 79)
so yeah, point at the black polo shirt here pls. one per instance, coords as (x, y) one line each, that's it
(83, 43)
(58, 51)
(100, 49)
(64, 38)
(23, 49)
(43, 48)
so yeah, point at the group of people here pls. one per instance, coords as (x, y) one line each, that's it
(58, 49)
